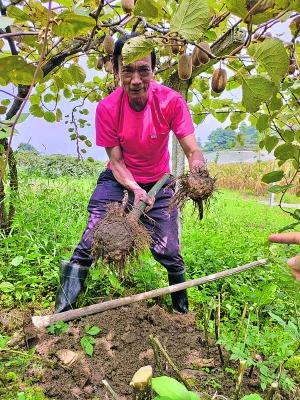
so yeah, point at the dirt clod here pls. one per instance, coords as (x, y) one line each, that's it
(197, 186)
(119, 237)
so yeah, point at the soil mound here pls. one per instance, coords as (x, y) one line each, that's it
(120, 350)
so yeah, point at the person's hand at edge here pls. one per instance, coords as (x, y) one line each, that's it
(141, 195)
(289, 238)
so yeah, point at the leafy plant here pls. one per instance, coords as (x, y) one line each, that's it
(170, 389)
(87, 342)
(58, 328)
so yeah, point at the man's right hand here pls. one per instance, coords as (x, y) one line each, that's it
(141, 195)
(289, 238)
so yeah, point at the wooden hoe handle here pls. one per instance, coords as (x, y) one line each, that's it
(46, 320)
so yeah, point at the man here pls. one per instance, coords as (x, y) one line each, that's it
(289, 238)
(133, 124)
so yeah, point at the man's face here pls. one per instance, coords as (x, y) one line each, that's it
(135, 79)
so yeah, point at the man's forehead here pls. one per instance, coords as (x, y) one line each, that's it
(143, 61)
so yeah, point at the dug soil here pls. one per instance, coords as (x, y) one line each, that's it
(123, 346)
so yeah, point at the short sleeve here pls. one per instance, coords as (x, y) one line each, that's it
(181, 121)
(106, 132)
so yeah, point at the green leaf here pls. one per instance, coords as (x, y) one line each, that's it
(21, 396)
(288, 136)
(220, 116)
(6, 287)
(87, 345)
(14, 69)
(18, 14)
(151, 9)
(280, 188)
(170, 387)
(191, 19)
(137, 48)
(57, 328)
(58, 115)
(272, 55)
(237, 7)
(252, 396)
(17, 261)
(70, 25)
(77, 73)
(273, 176)
(270, 142)
(256, 90)
(5, 21)
(286, 151)
(3, 109)
(263, 122)
(49, 116)
(92, 330)
(36, 110)
(48, 98)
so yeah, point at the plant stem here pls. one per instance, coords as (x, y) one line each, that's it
(239, 382)
(110, 390)
(155, 342)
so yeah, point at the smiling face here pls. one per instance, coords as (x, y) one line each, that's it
(135, 79)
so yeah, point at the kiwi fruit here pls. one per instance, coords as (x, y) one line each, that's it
(108, 45)
(202, 56)
(108, 67)
(100, 62)
(195, 59)
(185, 67)
(127, 5)
(219, 80)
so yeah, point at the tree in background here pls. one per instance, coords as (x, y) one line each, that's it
(220, 139)
(27, 147)
(43, 46)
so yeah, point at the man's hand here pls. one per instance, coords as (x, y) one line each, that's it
(197, 165)
(289, 238)
(141, 195)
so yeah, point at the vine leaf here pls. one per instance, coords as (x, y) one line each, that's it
(151, 9)
(137, 48)
(191, 19)
(273, 176)
(256, 89)
(272, 55)
(70, 25)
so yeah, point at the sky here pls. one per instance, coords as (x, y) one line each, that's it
(53, 138)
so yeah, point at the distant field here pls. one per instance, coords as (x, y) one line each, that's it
(246, 178)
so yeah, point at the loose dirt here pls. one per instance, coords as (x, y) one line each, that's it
(123, 347)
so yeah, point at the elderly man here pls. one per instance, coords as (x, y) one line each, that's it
(133, 124)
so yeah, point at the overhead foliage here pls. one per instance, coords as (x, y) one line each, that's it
(46, 49)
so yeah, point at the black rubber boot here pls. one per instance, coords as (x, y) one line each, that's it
(72, 277)
(179, 299)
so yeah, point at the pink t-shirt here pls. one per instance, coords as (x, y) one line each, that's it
(143, 135)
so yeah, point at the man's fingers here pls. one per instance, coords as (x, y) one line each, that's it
(288, 238)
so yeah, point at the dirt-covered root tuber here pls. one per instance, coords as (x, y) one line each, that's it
(119, 237)
(197, 186)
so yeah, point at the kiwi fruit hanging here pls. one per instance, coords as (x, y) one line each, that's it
(127, 5)
(108, 45)
(219, 80)
(185, 67)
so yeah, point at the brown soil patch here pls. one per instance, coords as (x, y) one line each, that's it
(123, 347)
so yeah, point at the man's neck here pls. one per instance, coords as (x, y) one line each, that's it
(138, 105)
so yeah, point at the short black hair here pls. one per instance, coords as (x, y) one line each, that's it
(118, 50)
